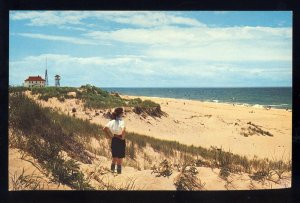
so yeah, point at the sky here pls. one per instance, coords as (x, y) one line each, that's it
(152, 48)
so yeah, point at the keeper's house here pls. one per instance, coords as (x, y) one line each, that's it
(34, 81)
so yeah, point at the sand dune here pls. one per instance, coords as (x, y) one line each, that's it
(141, 179)
(213, 124)
(18, 163)
(207, 124)
(243, 130)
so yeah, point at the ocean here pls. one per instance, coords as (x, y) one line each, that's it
(276, 97)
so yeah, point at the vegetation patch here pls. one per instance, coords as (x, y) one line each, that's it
(164, 169)
(253, 129)
(224, 173)
(260, 176)
(214, 156)
(26, 182)
(95, 98)
(148, 107)
(188, 180)
(45, 139)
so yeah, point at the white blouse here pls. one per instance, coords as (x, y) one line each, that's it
(116, 126)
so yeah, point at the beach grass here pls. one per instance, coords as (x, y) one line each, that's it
(45, 140)
(188, 180)
(24, 181)
(94, 98)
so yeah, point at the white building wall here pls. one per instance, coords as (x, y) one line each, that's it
(34, 83)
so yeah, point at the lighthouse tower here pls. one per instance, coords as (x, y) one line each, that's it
(46, 76)
(57, 79)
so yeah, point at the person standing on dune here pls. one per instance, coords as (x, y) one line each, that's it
(116, 130)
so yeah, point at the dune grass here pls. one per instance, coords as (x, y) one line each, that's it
(188, 180)
(164, 169)
(24, 181)
(45, 139)
(92, 96)
(217, 157)
(95, 98)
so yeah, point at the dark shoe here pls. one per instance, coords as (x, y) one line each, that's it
(119, 169)
(112, 167)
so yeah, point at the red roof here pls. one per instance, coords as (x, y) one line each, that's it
(35, 78)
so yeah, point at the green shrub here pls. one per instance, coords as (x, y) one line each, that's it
(17, 89)
(164, 169)
(134, 102)
(67, 172)
(224, 173)
(188, 180)
(94, 97)
(149, 104)
(260, 175)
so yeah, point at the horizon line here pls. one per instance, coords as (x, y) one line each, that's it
(172, 86)
(211, 87)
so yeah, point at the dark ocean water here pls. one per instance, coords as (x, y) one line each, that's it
(277, 97)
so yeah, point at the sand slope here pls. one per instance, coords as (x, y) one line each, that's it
(212, 124)
(31, 168)
(138, 179)
(192, 123)
(205, 124)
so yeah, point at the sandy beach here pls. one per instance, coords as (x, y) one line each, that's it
(206, 124)
(209, 124)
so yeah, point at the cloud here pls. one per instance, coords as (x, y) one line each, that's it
(72, 28)
(149, 19)
(74, 70)
(223, 52)
(140, 71)
(226, 44)
(66, 59)
(137, 18)
(165, 36)
(153, 49)
(160, 35)
(42, 18)
(73, 40)
(171, 35)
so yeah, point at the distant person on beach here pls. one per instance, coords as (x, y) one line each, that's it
(115, 129)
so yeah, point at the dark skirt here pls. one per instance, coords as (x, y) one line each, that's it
(118, 147)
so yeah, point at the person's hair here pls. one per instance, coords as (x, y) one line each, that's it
(117, 112)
